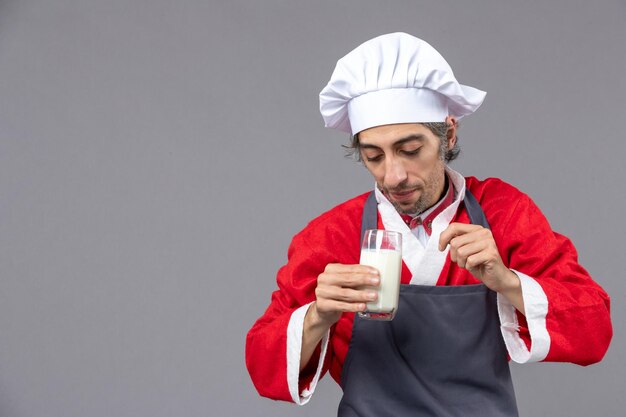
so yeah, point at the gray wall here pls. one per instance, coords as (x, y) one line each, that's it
(156, 158)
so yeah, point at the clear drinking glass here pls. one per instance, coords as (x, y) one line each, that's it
(382, 249)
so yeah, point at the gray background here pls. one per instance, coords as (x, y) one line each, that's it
(156, 158)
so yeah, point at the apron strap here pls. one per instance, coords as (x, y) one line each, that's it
(370, 212)
(476, 214)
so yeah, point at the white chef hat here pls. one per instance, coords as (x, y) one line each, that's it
(394, 78)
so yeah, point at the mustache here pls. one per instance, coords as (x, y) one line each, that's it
(402, 188)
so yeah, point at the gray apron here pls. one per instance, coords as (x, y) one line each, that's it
(441, 356)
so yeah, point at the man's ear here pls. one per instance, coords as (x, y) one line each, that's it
(451, 133)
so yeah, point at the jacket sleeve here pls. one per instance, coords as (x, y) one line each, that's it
(567, 313)
(267, 358)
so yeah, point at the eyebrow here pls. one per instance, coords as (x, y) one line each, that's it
(417, 136)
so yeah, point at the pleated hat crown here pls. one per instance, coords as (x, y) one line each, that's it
(394, 78)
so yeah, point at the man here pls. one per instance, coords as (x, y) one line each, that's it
(484, 274)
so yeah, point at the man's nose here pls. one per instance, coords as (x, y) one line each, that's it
(395, 174)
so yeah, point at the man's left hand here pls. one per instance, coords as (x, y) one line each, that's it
(473, 248)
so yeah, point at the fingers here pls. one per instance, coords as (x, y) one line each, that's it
(466, 255)
(346, 288)
(474, 248)
(454, 230)
(466, 242)
(350, 276)
(325, 306)
(344, 294)
(350, 269)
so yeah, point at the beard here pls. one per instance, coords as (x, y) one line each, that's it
(430, 192)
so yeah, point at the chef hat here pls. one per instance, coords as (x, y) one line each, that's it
(394, 78)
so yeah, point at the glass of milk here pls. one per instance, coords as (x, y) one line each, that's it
(382, 249)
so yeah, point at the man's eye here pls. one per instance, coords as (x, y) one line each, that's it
(412, 152)
(374, 158)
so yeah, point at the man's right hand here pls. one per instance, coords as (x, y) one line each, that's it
(340, 288)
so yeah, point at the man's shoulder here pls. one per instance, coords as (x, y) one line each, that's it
(492, 188)
(495, 195)
(348, 209)
(340, 219)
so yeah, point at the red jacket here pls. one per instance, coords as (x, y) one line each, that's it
(577, 320)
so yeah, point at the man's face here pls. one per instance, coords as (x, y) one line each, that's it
(407, 163)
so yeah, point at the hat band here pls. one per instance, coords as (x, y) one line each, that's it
(396, 105)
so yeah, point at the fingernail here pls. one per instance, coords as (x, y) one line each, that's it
(375, 281)
(371, 295)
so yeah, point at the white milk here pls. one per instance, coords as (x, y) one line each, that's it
(389, 263)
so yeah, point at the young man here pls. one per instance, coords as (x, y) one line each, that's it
(484, 274)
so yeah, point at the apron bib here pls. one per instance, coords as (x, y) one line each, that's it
(441, 356)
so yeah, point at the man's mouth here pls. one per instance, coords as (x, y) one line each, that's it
(402, 195)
